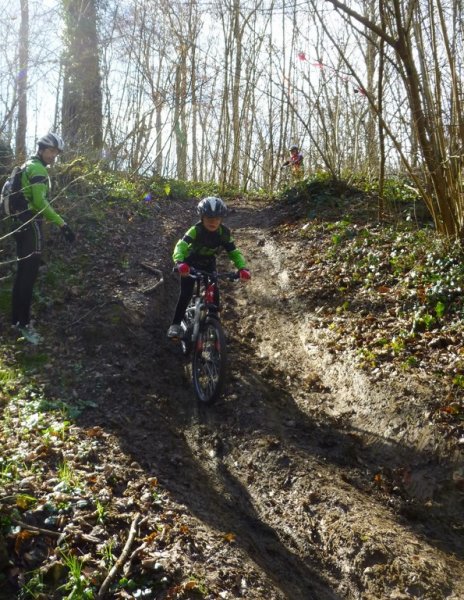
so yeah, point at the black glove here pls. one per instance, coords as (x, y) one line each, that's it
(68, 233)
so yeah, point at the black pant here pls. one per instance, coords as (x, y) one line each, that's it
(186, 291)
(29, 243)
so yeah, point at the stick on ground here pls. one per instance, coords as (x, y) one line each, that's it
(121, 560)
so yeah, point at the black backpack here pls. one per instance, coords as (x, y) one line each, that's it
(14, 203)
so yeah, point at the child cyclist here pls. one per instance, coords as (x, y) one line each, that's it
(295, 162)
(198, 248)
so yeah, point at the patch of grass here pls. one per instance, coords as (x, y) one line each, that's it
(9, 471)
(32, 363)
(25, 501)
(68, 475)
(101, 511)
(77, 586)
(8, 378)
(106, 552)
(34, 587)
(57, 430)
(458, 380)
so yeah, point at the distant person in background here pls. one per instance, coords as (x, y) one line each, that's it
(295, 162)
(35, 185)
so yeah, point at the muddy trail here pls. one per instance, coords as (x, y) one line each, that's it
(326, 483)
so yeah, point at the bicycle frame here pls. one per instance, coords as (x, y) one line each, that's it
(204, 336)
(204, 297)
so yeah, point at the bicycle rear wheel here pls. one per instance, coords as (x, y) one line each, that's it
(209, 362)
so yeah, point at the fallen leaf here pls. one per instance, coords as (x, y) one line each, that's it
(22, 537)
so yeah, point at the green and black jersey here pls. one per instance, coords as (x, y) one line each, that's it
(35, 187)
(200, 247)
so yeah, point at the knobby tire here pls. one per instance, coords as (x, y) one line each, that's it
(209, 362)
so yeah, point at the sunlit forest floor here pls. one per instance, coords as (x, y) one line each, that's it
(331, 468)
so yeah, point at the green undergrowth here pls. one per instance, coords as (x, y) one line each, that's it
(49, 467)
(401, 255)
(421, 268)
(400, 200)
(397, 294)
(101, 187)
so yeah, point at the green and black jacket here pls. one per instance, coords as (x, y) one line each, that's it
(200, 247)
(35, 187)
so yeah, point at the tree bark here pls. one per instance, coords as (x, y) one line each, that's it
(82, 94)
(21, 82)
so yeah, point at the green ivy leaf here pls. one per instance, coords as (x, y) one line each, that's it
(440, 309)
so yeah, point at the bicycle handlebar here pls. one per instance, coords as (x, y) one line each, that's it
(197, 273)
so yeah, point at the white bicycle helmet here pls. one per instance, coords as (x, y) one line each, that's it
(212, 207)
(51, 140)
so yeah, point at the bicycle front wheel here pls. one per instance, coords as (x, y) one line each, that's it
(209, 362)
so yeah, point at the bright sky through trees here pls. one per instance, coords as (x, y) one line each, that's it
(219, 91)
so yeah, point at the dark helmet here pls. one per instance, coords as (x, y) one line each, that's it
(51, 140)
(294, 147)
(212, 207)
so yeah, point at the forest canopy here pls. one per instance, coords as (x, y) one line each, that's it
(214, 91)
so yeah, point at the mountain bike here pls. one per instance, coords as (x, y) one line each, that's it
(203, 335)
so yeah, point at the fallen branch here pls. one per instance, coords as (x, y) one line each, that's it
(135, 553)
(151, 288)
(121, 560)
(35, 529)
(151, 268)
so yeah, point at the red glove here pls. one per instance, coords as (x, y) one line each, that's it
(244, 274)
(183, 269)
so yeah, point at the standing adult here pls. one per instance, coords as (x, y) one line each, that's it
(35, 184)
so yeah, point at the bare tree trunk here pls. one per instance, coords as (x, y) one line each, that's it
(193, 84)
(180, 126)
(82, 94)
(371, 130)
(158, 127)
(21, 82)
(223, 139)
(381, 205)
(234, 174)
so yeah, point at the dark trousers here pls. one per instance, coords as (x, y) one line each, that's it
(186, 291)
(29, 244)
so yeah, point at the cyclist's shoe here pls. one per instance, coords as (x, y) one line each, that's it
(30, 334)
(175, 332)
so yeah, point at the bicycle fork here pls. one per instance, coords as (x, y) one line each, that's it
(197, 318)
